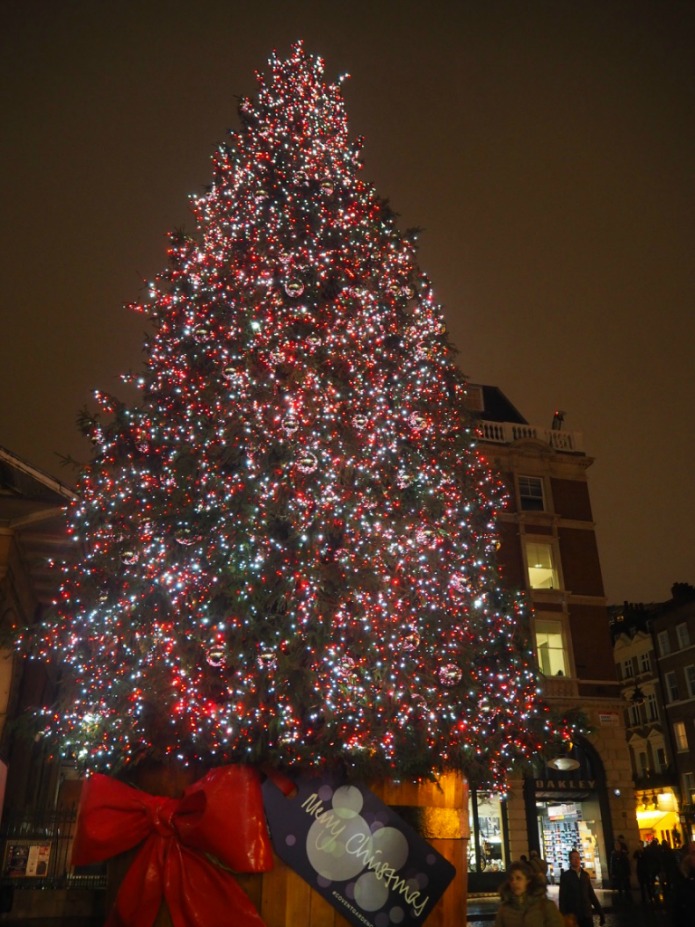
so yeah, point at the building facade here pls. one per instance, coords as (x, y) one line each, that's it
(39, 795)
(32, 535)
(654, 650)
(549, 549)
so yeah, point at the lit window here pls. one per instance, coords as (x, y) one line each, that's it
(671, 685)
(531, 494)
(542, 572)
(628, 669)
(689, 787)
(690, 680)
(550, 647)
(664, 643)
(486, 851)
(683, 636)
(680, 736)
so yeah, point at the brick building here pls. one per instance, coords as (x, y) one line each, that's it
(654, 651)
(549, 549)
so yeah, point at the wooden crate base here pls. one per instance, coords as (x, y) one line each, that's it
(284, 899)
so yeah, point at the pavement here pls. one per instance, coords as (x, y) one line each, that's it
(620, 911)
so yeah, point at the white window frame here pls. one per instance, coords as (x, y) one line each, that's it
(664, 643)
(671, 686)
(531, 488)
(660, 759)
(689, 787)
(628, 669)
(682, 635)
(690, 680)
(551, 645)
(542, 577)
(680, 736)
(651, 707)
(645, 662)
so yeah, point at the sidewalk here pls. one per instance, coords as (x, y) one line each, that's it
(620, 912)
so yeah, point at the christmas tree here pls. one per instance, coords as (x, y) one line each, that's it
(290, 538)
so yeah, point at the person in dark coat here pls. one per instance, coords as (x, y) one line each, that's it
(539, 865)
(577, 895)
(652, 854)
(683, 896)
(619, 868)
(642, 868)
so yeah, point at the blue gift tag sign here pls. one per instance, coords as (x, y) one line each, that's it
(356, 852)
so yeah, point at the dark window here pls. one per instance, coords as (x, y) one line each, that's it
(531, 494)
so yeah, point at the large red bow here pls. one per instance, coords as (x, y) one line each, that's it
(221, 814)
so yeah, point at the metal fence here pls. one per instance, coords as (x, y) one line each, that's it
(36, 847)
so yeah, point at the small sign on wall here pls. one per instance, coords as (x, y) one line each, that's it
(356, 852)
(26, 860)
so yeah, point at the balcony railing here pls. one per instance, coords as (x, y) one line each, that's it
(559, 686)
(570, 442)
(655, 780)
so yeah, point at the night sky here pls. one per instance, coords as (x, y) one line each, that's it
(546, 148)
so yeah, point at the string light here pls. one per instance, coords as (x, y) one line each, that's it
(289, 541)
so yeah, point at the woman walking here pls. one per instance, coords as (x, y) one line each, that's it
(524, 901)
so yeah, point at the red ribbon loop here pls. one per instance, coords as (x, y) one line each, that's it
(221, 815)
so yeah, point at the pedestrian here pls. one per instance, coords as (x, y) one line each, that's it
(642, 868)
(683, 895)
(577, 895)
(669, 867)
(652, 854)
(524, 902)
(687, 864)
(539, 865)
(619, 868)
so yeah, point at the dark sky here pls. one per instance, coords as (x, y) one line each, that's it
(545, 147)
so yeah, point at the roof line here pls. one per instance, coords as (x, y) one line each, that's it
(48, 481)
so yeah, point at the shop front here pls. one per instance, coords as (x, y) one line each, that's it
(658, 815)
(567, 809)
(488, 850)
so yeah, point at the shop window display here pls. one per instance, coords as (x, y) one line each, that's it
(487, 849)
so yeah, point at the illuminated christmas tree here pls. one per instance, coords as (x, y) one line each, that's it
(290, 539)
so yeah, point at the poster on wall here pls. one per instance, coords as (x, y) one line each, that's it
(16, 859)
(356, 852)
(37, 863)
(27, 860)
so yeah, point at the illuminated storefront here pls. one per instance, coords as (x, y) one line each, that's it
(569, 810)
(488, 850)
(658, 816)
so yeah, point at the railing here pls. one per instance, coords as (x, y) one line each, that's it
(36, 849)
(559, 686)
(655, 780)
(570, 442)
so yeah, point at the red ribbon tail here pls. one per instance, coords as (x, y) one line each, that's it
(199, 894)
(140, 894)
